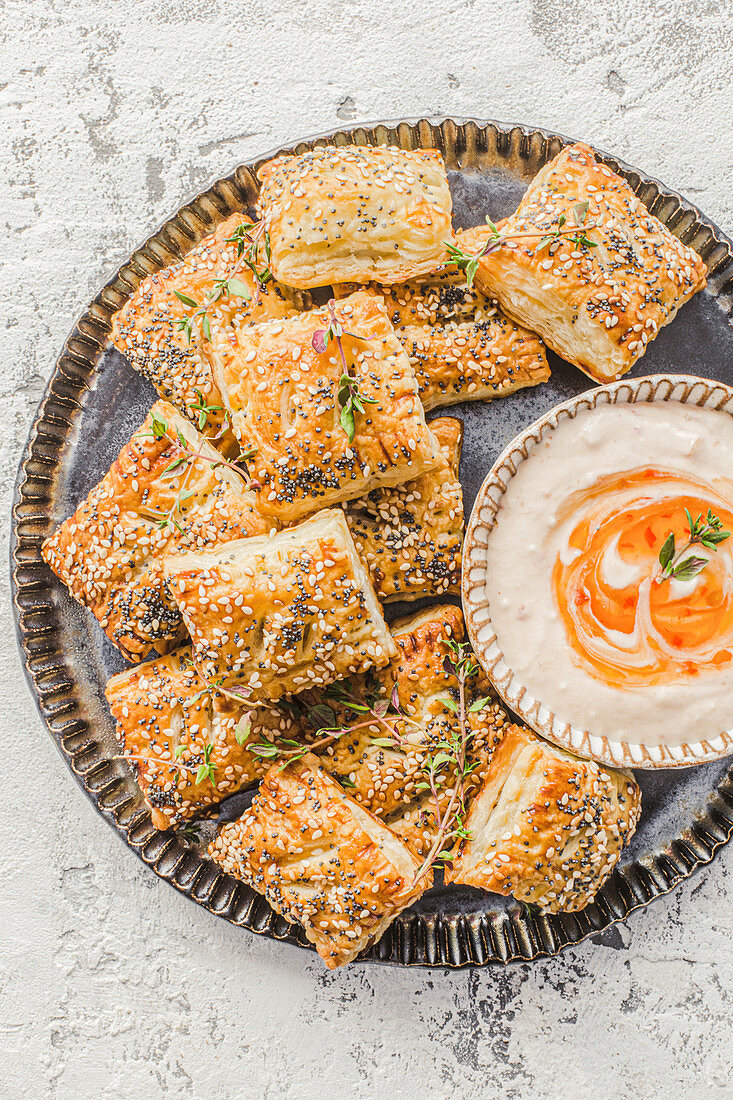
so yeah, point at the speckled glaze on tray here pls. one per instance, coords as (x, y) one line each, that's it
(477, 609)
(95, 400)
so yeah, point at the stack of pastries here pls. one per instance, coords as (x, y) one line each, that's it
(288, 486)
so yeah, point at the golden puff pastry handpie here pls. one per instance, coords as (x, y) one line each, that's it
(461, 347)
(186, 740)
(597, 305)
(150, 329)
(168, 491)
(321, 859)
(282, 613)
(410, 536)
(387, 780)
(546, 826)
(286, 400)
(354, 214)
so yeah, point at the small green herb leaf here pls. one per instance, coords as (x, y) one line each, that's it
(689, 568)
(347, 422)
(243, 729)
(185, 299)
(580, 212)
(667, 552)
(239, 289)
(321, 716)
(707, 531)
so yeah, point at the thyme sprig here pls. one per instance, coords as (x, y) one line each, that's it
(387, 714)
(577, 232)
(182, 465)
(206, 769)
(249, 239)
(229, 286)
(349, 397)
(704, 531)
(450, 760)
(252, 241)
(203, 409)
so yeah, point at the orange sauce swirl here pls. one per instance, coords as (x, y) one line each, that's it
(629, 627)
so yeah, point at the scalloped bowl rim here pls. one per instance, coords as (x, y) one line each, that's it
(688, 389)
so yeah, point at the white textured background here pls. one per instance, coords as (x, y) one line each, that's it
(111, 984)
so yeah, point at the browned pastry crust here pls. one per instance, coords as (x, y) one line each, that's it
(461, 347)
(282, 613)
(386, 779)
(546, 826)
(340, 214)
(146, 330)
(170, 722)
(596, 307)
(320, 859)
(283, 396)
(410, 536)
(154, 502)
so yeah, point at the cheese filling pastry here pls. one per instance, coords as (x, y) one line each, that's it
(300, 409)
(168, 491)
(355, 213)
(461, 347)
(546, 826)
(321, 859)
(390, 779)
(410, 537)
(599, 296)
(189, 742)
(166, 338)
(283, 613)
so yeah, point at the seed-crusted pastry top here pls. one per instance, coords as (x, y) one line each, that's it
(355, 213)
(285, 405)
(390, 779)
(168, 491)
(182, 736)
(149, 330)
(597, 307)
(461, 347)
(546, 826)
(320, 859)
(283, 613)
(410, 536)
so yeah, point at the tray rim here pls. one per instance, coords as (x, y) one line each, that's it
(455, 940)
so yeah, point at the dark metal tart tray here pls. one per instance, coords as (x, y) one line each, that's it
(94, 401)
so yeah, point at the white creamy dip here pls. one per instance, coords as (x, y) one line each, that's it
(573, 577)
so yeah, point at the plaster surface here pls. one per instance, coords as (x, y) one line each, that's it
(112, 985)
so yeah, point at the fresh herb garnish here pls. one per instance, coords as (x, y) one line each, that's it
(243, 729)
(207, 769)
(230, 286)
(182, 464)
(386, 714)
(351, 401)
(349, 397)
(251, 241)
(203, 409)
(450, 762)
(469, 262)
(706, 531)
